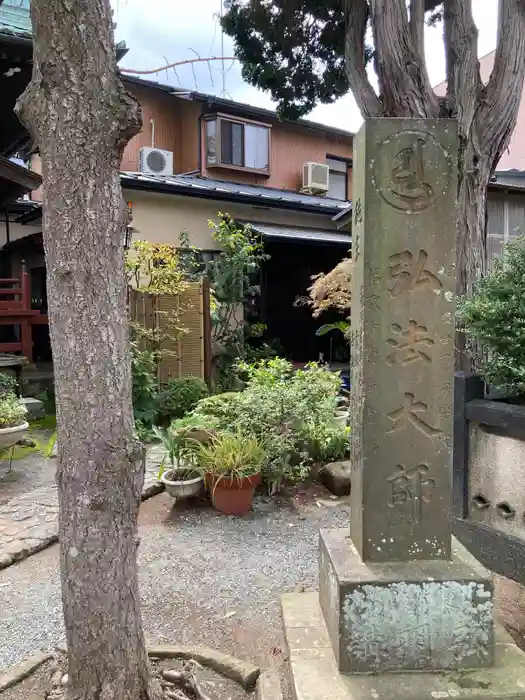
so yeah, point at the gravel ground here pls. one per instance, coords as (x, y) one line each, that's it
(205, 578)
(29, 473)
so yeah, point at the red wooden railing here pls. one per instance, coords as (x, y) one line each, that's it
(16, 311)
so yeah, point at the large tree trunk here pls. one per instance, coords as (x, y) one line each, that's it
(81, 118)
(486, 114)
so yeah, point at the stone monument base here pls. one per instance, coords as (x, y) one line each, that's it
(406, 616)
(315, 676)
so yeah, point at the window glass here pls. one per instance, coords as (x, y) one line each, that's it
(337, 185)
(243, 145)
(256, 149)
(232, 143)
(337, 188)
(211, 142)
(336, 164)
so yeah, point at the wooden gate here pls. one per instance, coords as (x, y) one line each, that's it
(191, 354)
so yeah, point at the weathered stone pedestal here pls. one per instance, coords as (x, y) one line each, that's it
(315, 676)
(403, 610)
(413, 616)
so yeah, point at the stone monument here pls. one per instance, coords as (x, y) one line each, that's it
(395, 594)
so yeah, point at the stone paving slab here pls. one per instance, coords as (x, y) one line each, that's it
(29, 523)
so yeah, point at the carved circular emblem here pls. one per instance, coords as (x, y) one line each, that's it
(411, 171)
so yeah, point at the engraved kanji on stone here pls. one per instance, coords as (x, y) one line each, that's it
(371, 415)
(445, 412)
(408, 413)
(373, 275)
(411, 486)
(355, 247)
(358, 212)
(445, 390)
(411, 345)
(371, 355)
(371, 302)
(407, 182)
(409, 274)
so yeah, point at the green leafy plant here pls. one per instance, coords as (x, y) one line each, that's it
(285, 409)
(155, 268)
(180, 396)
(232, 281)
(494, 317)
(221, 408)
(231, 456)
(12, 411)
(7, 384)
(174, 443)
(145, 387)
(342, 326)
(47, 396)
(328, 443)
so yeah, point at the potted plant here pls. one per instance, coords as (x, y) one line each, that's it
(342, 412)
(231, 463)
(12, 413)
(182, 479)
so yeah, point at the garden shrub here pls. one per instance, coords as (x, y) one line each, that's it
(12, 411)
(494, 316)
(7, 383)
(180, 396)
(292, 413)
(145, 388)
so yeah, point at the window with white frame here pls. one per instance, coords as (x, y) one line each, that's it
(505, 222)
(338, 179)
(232, 143)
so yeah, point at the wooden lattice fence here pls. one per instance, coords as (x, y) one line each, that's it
(191, 354)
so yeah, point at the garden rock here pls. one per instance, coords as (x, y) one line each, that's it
(35, 407)
(336, 477)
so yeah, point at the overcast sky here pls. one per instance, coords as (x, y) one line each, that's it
(164, 31)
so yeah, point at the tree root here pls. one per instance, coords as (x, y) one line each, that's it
(163, 685)
(183, 684)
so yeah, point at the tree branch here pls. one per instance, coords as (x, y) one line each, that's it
(503, 92)
(417, 26)
(356, 12)
(177, 63)
(403, 79)
(461, 53)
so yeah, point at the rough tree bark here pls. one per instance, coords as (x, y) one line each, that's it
(486, 114)
(81, 118)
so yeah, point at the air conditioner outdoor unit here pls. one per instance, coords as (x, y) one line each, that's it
(155, 161)
(316, 177)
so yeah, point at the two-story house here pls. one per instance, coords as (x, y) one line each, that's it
(230, 157)
(197, 155)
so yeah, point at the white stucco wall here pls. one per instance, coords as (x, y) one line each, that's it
(160, 218)
(497, 471)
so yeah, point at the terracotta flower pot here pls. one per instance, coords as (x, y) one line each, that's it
(232, 496)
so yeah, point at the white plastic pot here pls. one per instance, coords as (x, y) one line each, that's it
(341, 418)
(181, 489)
(10, 436)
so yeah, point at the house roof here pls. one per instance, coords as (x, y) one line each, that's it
(511, 180)
(205, 188)
(16, 180)
(15, 71)
(219, 103)
(15, 20)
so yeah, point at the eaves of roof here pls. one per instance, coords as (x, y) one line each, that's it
(217, 190)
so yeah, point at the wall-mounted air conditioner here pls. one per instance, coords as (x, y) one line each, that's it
(155, 161)
(316, 177)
